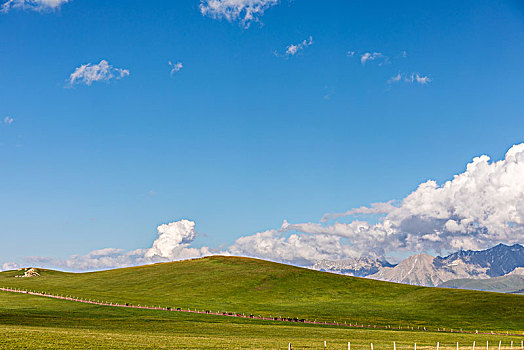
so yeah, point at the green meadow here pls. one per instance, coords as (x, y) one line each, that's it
(248, 286)
(30, 322)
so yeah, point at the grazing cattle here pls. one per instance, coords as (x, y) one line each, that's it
(207, 311)
(251, 316)
(178, 309)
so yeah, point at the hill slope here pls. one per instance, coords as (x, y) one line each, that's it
(30, 322)
(255, 286)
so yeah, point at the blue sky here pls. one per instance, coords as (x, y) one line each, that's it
(243, 136)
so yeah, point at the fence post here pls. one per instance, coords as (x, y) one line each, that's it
(415, 346)
(500, 342)
(394, 346)
(349, 345)
(289, 346)
(325, 345)
(371, 346)
(473, 345)
(438, 344)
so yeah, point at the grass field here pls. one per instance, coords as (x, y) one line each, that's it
(29, 322)
(245, 286)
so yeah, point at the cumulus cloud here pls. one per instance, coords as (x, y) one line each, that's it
(300, 249)
(103, 71)
(34, 5)
(478, 208)
(244, 11)
(175, 67)
(8, 120)
(173, 241)
(410, 78)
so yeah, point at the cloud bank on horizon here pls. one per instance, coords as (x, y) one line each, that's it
(478, 208)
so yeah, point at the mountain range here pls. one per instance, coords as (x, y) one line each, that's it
(496, 269)
(359, 267)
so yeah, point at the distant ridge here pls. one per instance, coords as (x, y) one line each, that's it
(359, 267)
(425, 270)
(498, 261)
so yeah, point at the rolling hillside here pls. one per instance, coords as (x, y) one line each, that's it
(254, 286)
(30, 322)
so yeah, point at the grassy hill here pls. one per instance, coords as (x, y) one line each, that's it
(260, 287)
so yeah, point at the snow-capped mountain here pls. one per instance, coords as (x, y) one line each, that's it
(497, 261)
(425, 270)
(360, 267)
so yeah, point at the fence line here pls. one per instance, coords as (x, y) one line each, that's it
(230, 314)
(371, 346)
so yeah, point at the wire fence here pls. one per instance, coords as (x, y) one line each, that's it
(325, 345)
(284, 319)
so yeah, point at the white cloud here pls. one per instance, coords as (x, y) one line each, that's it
(372, 56)
(172, 239)
(35, 5)
(480, 207)
(376, 208)
(410, 78)
(395, 78)
(10, 266)
(103, 71)
(351, 53)
(301, 249)
(8, 120)
(244, 11)
(422, 79)
(175, 67)
(293, 49)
